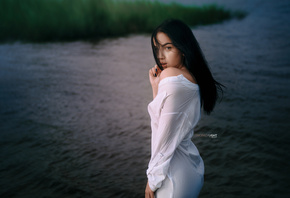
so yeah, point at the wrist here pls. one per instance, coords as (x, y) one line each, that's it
(152, 188)
(154, 91)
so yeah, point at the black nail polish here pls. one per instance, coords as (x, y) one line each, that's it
(156, 69)
(155, 75)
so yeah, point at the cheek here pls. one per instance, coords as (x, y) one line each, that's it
(173, 57)
(177, 57)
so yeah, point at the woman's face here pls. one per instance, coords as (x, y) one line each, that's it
(168, 54)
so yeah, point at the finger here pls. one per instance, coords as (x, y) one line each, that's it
(157, 69)
(153, 72)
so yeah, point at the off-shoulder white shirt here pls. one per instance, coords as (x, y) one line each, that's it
(174, 112)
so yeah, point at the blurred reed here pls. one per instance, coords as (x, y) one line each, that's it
(65, 20)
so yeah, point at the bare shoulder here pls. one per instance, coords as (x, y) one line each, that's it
(171, 71)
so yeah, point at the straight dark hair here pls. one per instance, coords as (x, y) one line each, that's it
(183, 39)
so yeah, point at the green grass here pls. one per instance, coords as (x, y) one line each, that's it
(65, 20)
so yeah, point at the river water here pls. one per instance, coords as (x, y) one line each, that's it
(74, 120)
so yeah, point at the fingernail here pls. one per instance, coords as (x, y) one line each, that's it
(155, 75)
(156, 69)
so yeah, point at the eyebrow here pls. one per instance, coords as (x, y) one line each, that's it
(165, 44)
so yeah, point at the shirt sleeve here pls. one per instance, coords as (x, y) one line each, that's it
(172, 127)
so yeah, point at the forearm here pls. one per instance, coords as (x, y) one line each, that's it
(154, 92)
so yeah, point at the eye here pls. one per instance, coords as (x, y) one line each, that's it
(168, 48)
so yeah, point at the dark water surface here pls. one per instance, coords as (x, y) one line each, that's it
(74, 121)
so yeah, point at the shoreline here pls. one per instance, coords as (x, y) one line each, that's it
(56, 21)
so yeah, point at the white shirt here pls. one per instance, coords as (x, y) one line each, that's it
(174, 112)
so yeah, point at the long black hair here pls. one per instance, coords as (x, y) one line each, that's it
(183, 39)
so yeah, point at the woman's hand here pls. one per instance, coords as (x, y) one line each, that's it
(148, 192)
(154, 77)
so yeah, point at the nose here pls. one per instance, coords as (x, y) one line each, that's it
(160, 54)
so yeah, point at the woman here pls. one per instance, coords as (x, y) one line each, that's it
(181, 84)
